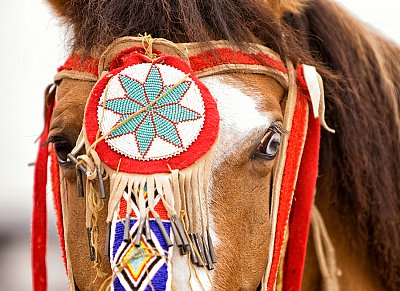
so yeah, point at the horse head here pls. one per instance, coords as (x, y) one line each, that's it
(251, 123)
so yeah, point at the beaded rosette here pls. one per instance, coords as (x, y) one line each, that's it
(150, 126)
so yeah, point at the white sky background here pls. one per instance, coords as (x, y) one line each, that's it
(32, 47)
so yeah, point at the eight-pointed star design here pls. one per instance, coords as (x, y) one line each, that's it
(159, 119)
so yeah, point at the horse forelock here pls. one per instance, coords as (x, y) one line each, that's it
(359, 165)
(95, 24)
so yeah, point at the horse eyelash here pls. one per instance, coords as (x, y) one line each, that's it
(49, 140)
(54, 138)
(276, 127)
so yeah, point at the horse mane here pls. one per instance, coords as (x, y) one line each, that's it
(359, 167)
(95, 24)
(360, 164)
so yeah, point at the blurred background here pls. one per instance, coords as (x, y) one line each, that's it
(33, 45)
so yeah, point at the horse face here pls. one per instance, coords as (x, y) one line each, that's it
(239, 189)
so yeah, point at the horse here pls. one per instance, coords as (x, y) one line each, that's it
(357, 185)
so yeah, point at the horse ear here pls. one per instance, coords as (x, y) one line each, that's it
(63, 7)
(285, 6)
(60, 7)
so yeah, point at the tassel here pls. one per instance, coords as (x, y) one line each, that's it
(177, 237)
(92, 254)
(107, 245)
(164, 233)
(199, 245)
(139, 232)
(209, 264)
(147, 229)
(193, 251)
(80, 168)
(79, 183)
(127, 227)
(211, 247)
(151, 203)
(181, 232)
(100, 183)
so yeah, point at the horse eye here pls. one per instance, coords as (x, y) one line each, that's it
(62, 148)
(269, 146)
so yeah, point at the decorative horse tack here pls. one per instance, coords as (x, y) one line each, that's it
(149, 125)
(149, 128)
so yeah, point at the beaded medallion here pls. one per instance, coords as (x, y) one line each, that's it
(163, 129)
(151, 115)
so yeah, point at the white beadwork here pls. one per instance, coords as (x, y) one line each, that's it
(160, 148)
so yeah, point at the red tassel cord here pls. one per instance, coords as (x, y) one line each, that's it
(303, 198)
(39, 216)
(55, 183)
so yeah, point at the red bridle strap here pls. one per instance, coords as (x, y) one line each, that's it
(39, 217)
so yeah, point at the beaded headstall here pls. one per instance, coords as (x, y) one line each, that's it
(149, 128)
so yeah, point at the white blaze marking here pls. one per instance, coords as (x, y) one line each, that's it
(239, 117)
(239, 114)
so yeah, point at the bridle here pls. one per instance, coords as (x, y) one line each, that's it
(297, 163)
